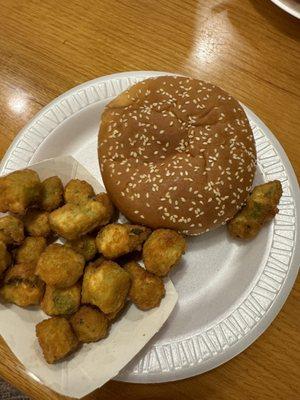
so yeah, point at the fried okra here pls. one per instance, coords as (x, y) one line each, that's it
(105, 285)
(61, 301)
(162, 250)
(85, 245)
(30, 250)
(89, 324)
(56, 338)
(11, 230)
(21, 286)
(261, 206)
(113, 315)
(19, 190)
(78, 192)
(52, 193)
(147, 289)
(72, 221)
(60, 266)
(37, 223)
(115, 240)
(5, 258)
(108, 206)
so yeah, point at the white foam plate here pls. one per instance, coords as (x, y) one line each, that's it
(290, 6)
(229, 291)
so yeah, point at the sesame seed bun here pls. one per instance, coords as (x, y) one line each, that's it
(176, 153)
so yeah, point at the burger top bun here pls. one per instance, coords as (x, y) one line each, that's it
(176, 153)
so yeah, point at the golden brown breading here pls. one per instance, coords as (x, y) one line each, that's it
(52, 193)
(61, 301)
(162, 250)
(115, 240)
(56, 338)
(78, 192)
(89, 324)
(85, 245)
(19, 190)
(60, 266)
(260, 207)
(11, 230)
(106, 286)
(147, 289)
(113, 315)
(21, 286)
(30, 250)
(5, 258)
(72, 221)
(108, 206)
(36, 223)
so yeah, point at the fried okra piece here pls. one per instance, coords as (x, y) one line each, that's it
(56, 338)
(61, 301)
(19, 190)
(37, 223)
(21, 286)
(147, 289)
(60, 266)
(261, 206)
(72, 221)
(113, 315)
(85, 245)
(11, 230)
(115, 240)
(105, 285)
(89, 324)
(104, 199)
(52, 193)
(5, 258)
(78, 192)
(162, 250)
(30, 250)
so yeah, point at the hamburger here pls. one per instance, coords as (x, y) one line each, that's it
(178, 153)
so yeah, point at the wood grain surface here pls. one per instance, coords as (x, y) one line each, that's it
(249, 47)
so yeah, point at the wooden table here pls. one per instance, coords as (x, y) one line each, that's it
(249, 47)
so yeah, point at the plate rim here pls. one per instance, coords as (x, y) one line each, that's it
(287, 8)
(245, 341)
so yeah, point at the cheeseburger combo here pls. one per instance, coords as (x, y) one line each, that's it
(177, 157)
